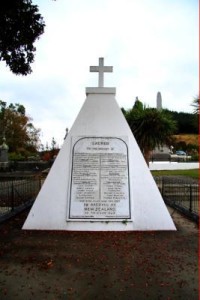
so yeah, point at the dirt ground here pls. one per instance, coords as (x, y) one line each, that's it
(98, 265)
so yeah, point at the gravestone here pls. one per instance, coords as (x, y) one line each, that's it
(4, 152)
(4, 155)
(99, 180)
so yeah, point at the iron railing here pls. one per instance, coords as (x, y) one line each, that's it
(180, 193)
(15, 195)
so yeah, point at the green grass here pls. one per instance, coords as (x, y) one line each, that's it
(194, 173)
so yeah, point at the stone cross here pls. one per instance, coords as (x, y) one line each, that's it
(101, 69)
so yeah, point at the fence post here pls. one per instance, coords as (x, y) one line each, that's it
(12, 196)
(190, 198)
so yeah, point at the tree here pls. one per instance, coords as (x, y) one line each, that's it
(16, 126)
(138, 106)
(53, 143)
(151, 127)
(20, 26)
(50, 153)
(186, 122)
(195, 104)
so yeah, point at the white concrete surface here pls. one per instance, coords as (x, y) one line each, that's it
(100, 116)
(101, 69)
(173, 165)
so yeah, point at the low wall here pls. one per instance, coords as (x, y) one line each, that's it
(173, 165)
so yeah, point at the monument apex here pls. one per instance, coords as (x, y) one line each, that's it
(101, 69)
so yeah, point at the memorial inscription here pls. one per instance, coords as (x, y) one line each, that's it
(99, 179)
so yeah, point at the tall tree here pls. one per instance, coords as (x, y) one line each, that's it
(186, 122)
(16, 126)
(151, 128)
(196, 104)
(20, 26)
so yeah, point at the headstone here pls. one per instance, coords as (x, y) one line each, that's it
(4, 152)
(99, 180)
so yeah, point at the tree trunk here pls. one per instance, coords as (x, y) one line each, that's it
(147, 155)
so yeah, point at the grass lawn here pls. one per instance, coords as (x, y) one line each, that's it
(194, 173)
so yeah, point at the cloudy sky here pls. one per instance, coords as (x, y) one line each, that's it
(151, 44)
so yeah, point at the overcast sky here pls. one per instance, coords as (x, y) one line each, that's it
(151, 44)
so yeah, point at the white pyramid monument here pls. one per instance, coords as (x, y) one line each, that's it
(99, 180)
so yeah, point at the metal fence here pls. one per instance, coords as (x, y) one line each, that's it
(15, 195)
(180, 193)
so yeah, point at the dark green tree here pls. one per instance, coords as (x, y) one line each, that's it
(138, 105)
(186, 122)
(151, 128)
(20, 26)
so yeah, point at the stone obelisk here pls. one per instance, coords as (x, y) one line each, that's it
(159, 101)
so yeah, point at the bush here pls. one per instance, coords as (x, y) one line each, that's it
(195, 157)
(16, 156)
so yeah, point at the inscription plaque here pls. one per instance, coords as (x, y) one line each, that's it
(99, 186)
